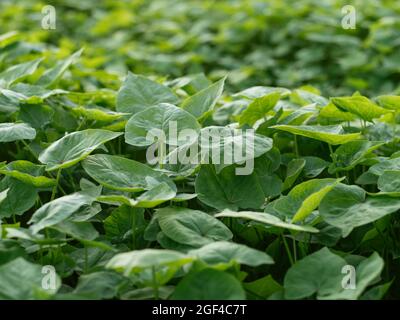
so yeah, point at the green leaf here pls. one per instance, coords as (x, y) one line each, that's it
(122, 221)
(100, 285)
(52, 75)
(139, 260)
(17, 190)
(223, 146)
(18, 72)
(266, 218)
(228, 190)
(59, 210)
(350, 154)
(138, 93)
(74, 147)
(260, 91)
(314, 166)
(22, 280)
(389, 102)
(222, 254)
(28, 173)
(77, 230)
(123, 174)
(16, 131)
(347, 207)
(360, 106)
(367, 272)
(333, 113)
(205, 100)
(304, 198)
(330, 134)
(262, 288)
(259, 108)
(319, 273)
(209, 284)
(158, 119)
(295, 167)
(389, 181)
(191, 227)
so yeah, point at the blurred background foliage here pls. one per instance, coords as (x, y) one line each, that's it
(257, 42)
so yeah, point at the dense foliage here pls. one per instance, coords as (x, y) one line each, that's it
(78, 194)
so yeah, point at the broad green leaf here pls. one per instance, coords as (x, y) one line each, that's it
(77, 230)
(149, 199)
(209, 284)
(163, 122)
(389, 181)
(305, 97)
(138, 93)
(51, 76)
(22, 280)
(74, 147)
(28, 173)
(347, 207)
(389, 102)
(360, 106)
(98, 114)
(58, 210)
(17, 190)
(221, 254)
(319, 273)
(227, 189)
(157, 195)
(3, 195)
(367, 272)
(333, 113)
(295, 167)
(136, 261)
(330, 134)
(314, 166)
(350, 154)
(223, 146)
(377, 292)
(304, 198)
(18, 72)
(299, 116)
(205, 100)
(30, 94)
(123, 223)
(258, 109)
(38, 116)
(123, 174)
(259, 91)
(16, 131)
(266, 218)
(191, 227)
(99, 285)
(385, 165)
(262, 288)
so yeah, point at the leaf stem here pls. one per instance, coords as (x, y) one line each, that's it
(53, 195)
(287, 249)
(296, 147)
(155, 284)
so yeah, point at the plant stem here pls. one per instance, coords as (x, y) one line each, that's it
(287, 249)
(155, 284)
(29, 149)
(133, 232)
(296, 147)
(333, 158)
(53, 195)
(86, 267)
